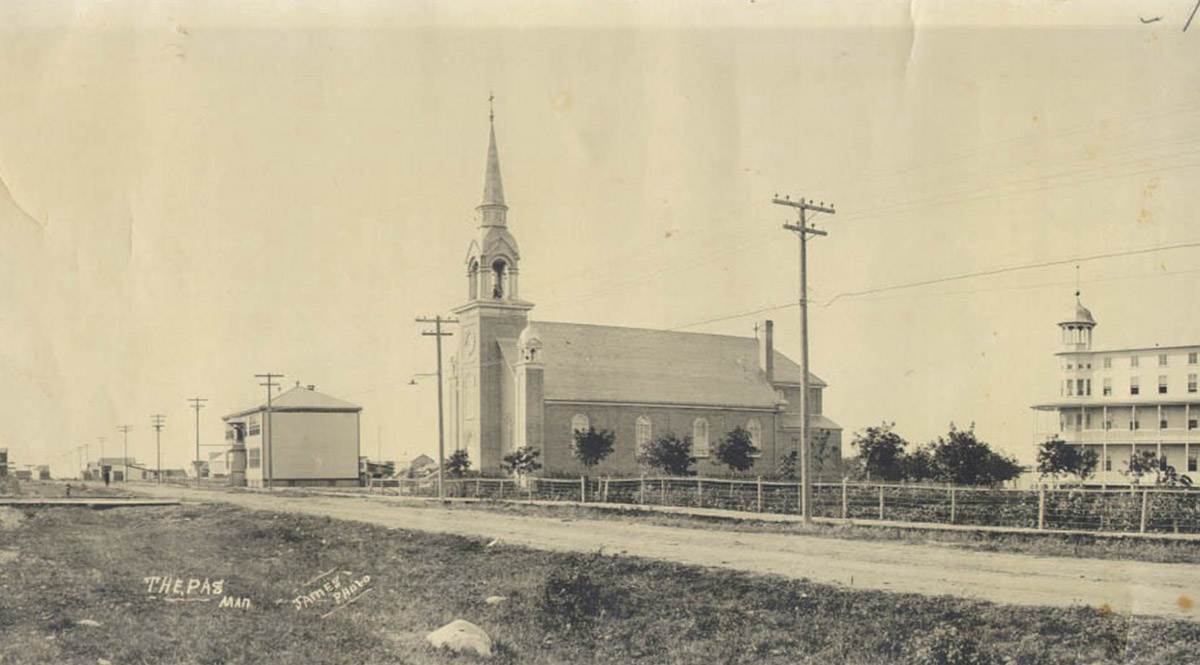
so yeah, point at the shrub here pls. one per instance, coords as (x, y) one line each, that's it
(570, 599)
(947, 645)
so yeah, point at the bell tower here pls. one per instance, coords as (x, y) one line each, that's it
(493, 316)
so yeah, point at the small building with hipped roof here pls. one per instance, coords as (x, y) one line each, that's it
(303, 438)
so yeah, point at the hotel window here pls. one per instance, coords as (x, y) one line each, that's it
(1135, 424)
(1070, 388)
(1087, 420)
(254, 458)
(1070, 366)
(755, 430)
(700, 437)
(1133, 361)
(1192, 462)
(1108, 463)
(1192, 358)
(1087, 385)
(254, 428)
(1162, 423)
(1191, 383)
(579, 423)
(1162, 360)
(1133, 385)
(1079, 387)
(1192, 423)
(1107, 385)
(1108, 424)
(1162, 384)
(1108, 363)
(643, 431)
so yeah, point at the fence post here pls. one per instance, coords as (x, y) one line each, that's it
(529, 486)
(478, 481)
(583, 489)
(642, 490)
(662, 486)
(500, 491)
(1042, 508)
(699, 493)
(845, 498)
(759, 501)
(605, 495)
(881, 502)
(1145, 508)
(953, 505)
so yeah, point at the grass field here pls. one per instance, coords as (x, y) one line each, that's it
(1040, 544)
(61, 566)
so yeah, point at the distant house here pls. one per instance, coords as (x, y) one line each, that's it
(421, 465)
(114, 465)
(3, 462)
(218, 464)
(43, 472)
(315, 440)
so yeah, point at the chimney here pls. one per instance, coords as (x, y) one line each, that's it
(766, 349)
(311, 387)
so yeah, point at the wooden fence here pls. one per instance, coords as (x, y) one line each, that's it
(1137, 510)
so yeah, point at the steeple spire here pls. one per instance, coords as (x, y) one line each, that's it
(492, 209)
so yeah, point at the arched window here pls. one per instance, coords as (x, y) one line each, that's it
(643, 431)
(755, 430)
(473, 275)
(579, 424)
(700, 437)
(499, 270)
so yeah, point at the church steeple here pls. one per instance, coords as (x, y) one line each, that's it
(492, 258)
(492, 210)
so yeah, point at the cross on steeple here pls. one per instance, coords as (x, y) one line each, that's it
(491, 107)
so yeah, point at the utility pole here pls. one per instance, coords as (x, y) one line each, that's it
(803, 230)
(100, 460)
(437, 333)
(79, 453)
(159, 421)
(124, 430)
(197, 404)
(268, 448)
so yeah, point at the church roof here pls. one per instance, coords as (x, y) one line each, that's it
(301, 399)
(611, 364)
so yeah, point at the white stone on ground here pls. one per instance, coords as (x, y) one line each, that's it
(461, 635)
(495, 600)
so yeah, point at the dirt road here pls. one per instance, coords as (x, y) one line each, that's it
(1144, 588)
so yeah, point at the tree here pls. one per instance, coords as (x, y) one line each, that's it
(736, 449)
(918, 466)
(458, 463)
(669, 454)
(881, 452)
(1058, 458)
(592, 446)
(523, 461)
(789, 465)
(961, 458)
(1146, 463)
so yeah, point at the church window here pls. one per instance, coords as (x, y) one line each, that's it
(643, 431)
(579, 424)
(700, 437)
(755, 429)
(500, 270)
(474, 278)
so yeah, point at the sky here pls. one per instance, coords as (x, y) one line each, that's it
(194, 193)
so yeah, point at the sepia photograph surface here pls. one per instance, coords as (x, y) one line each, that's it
(618, 332)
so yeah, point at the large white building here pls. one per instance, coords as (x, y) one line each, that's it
(1119, 402)
(315, 441)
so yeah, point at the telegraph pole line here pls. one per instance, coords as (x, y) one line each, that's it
(124, 430)
(803, 230)
(268, 448)
(437, 333)
(197, 404)
(158, 421)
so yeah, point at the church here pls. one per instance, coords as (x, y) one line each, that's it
(519, 382)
